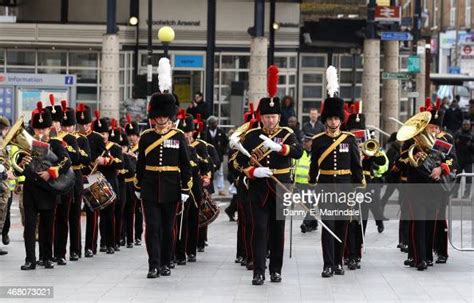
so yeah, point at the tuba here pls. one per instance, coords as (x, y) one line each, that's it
(37, 160)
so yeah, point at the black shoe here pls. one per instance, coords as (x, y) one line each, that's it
(400, 245)
(138, 242)
(422, 266)
(304, 228)
(48, 264)
(441, 260)
(339, 270)
(74, 257)
(409, 262)
(404, 248)
(153, 274)
(238, 260)
(230, 215)
(429, 263)
(117, 247)
(352, 265)
(346, 261)
(122, 242)
(110, 250)
(249, 265)
(61, 261)
(40, 263)
(200, 249)
(3, 252)
(275, 277)
(258, 279)
(88, 253)
(165, 271)
(191, 258)
(129, 245)
(28, 266)
(172, 265)
(103, 248)
(327, 272)
(5, 239)
(243, 262)
(54, 259)
(380, 227)
(181, 262)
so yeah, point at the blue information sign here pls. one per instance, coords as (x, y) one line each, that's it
(396, 36)
(194, 61)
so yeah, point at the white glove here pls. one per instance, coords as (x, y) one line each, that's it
(262, 172)
(184, 197)
(268, 143)
(138, 194)
(233, 141)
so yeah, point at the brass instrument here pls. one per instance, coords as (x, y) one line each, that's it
(415, 128)
(18, 136)
(236, 135)
(370, 147)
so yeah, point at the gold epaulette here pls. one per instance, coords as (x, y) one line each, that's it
(318, 135)
(288, 129)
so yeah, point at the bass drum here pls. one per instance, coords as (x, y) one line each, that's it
(208, 210)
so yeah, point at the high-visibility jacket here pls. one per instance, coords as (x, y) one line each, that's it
(302, 168)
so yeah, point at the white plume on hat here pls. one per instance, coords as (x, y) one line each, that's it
(333, 82)
(164, 75)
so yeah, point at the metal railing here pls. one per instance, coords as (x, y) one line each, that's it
(463, 204)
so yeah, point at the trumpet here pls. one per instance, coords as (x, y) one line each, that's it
(370, 147)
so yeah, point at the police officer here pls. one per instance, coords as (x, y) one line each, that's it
(38, 197)
(97, 154)
(272, 148)
(335, 159)
(164, 178)
(68, 126)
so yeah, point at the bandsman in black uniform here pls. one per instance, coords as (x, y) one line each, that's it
(271, 157)
(39, 198)
(133, 220)
(164, 179)
(97, 154)
(335, 159)
(68, 126)
(112, 164)
(61, 220)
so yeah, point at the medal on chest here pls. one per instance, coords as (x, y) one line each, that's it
(344, 147)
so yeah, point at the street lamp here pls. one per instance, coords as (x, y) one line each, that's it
(166, 36)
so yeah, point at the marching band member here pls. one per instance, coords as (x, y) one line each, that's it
(272, 147)
(335, 159)
(164, 176)
(38, 197)
(97, 151)
(5, 176)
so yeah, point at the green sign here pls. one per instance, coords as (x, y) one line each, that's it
(395, 76)
(413, 64)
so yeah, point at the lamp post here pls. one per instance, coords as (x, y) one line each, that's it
(166, 36)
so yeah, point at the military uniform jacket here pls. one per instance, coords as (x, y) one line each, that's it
(84, 161)
(163, 168)
(45, 199)
(196, 172)
(114, 163)
(341, 165)
(97, 147)
(280, 163)
(72, 148)
(205, 163)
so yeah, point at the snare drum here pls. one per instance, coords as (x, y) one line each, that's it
(98, 193)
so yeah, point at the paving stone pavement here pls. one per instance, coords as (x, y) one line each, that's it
(216, 278)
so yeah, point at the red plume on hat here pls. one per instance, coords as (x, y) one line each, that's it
(129, 120)
(428, 105)
(64, 108)
(272, 82)
(250, 112)
(182, 116)
(97, 116)
(52, 101)
(38, 110)
(113, 125)
(255, 120)
(199, 124)
(81, 108)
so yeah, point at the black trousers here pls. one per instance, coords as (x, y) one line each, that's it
(333, 249)
(264, 221)
(193, 230)
(180, 244)
(46, 224)
(107, 226)
(75, 245)
(61, 225)
(138, 220)
(7, 224)
(440, 237)
(422, 231)
(129, 212)
(91, 229)
(119, 210)
(241, 252)
(354, 240)
(159, 221)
